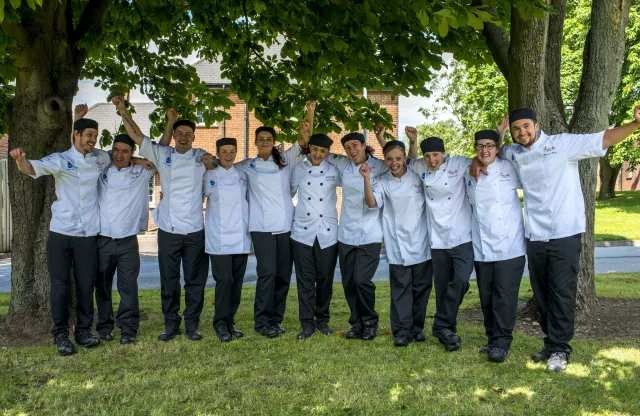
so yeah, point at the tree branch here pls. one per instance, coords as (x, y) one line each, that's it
(17, 32)
(556, 119)
(91, 19)
(497, 41)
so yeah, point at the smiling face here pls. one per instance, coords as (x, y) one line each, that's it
(121, 155)
(355, 151)
(183, 137)
(434, 159)
(226, 155)
(525, 132)
(264, 143)
(486, 150)
(394, 159)
(318, 154)
(85, 140)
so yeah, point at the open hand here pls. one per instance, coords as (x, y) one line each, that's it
(503, 126)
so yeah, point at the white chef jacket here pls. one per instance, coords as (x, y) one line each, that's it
(227, 220)
(316, 214)
(553, 202)
(404, 218)
(75, 211)
(180, 210)
(358, 224)
(448, 208)
(497, 228)
(270, 196)
(123, 198)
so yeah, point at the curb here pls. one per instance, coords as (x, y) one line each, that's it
(618, 243)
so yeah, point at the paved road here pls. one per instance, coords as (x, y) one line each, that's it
(608, 260)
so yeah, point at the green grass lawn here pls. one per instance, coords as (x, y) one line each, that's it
(618, 218)
(323, 375)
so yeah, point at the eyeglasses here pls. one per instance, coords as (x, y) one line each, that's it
(485, 146)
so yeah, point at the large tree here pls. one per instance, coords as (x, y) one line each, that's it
(331, 51)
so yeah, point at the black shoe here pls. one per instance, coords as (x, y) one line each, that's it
(485, 349)
(127, 339)
(278, 328)
(324, 329)
(65, 347)
(267, 331)
(369, 333)
(86, 339)
(403, 338)
(354, 333)
(307, 332)
(542, 355)
(419, 337)
(107, 337)
(235, 333)
(192, 333)
(497, 354)
(447, 336)
(170, 332)
(222, 333)
(452, 347)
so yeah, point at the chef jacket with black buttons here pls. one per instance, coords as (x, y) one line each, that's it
(448, 208)
(180, 210)
(123, 197)
(358, 224)
(227, 219)
(553, 201)
(75, 211)
(316, 215)
(404, 218)
(497, 228)
(270, 201)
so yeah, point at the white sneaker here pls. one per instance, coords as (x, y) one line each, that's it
(557, 362)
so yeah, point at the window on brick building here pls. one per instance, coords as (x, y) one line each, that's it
(629, 174)
(201, 119)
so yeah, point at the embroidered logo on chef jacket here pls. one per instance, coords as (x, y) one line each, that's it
(469, 184)
(104, 177)
(330, 178)
(168, 160)
(505, 177)
(70, 165)
(212, 183)
(550, 150)
(100, 164)
(243, 181)
(407, 162)
(452, 173)
(513, 156)
(417, 187)
(424, 175)
(135, 173)
(252, 165)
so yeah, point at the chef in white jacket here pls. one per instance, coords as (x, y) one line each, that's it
(497, 231)
(359, 236)
(180, 222)
(228, 242)
(449, 219)
(270, 222)
(399, 194)
(554, 218)
(315, 235)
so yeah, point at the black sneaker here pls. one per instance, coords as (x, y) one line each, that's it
(402, 338)
(106, 337)
(86, 339)
(278, 328)
(235, 333)
(64, 345)
(447, 336)
(452, 347)
(267, 331)
(307, 332)
(486, 349)
(558, 362)
(192, 333)
(354, 333)
(497, 355)
(170, 332)
(127, 339)
(223, 333)
(324, 329)
(542, 355)
(419, 337)
(369, 333)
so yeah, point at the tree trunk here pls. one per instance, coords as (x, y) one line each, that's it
(608, 178)
(40, 123)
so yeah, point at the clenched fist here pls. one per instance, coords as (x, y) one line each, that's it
(118, 101)
(80, 111)
(412, 133)
(18, 154)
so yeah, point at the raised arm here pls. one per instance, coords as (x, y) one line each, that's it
(502, 128)
(379, 131)
(24, 165)
(616, 135)
(172, 117)
(306, 127)
(369, 197)
(412, 135)
(132, 128)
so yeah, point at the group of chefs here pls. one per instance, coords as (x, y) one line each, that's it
(439, 216)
